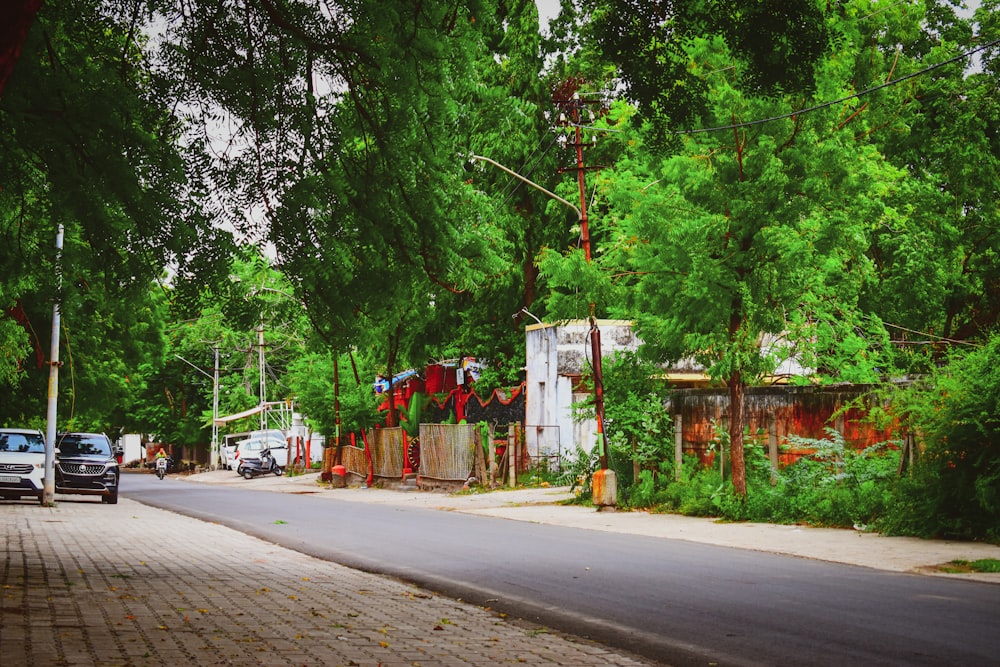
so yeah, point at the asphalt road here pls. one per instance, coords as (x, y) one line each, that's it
(677, 602)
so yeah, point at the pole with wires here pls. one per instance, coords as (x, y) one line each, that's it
(49, 479)
(604, 484)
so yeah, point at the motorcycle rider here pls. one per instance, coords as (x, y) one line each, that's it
(161, 456)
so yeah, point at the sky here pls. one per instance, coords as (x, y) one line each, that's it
(547, 9)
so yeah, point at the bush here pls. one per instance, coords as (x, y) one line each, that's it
(836, 486)
(954, 490)
(638, 428)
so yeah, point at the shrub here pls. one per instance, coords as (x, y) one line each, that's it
(836, 486)
(954, 490)
(637, 427)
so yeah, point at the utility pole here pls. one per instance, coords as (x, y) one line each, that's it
(49, 479)
(214, 450)
(215, 412)
(604, 483)
(263, 374)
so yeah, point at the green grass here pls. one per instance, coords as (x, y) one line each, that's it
(981, 565)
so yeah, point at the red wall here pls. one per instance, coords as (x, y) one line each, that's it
(806, 412)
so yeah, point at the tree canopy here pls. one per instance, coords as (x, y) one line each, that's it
(812, 179)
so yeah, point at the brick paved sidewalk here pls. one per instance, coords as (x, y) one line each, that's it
(130, 585)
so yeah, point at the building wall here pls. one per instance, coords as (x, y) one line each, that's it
(779, 411)
(557, 355)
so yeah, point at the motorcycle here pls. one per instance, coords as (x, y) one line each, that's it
(161, 467)
(250, 468)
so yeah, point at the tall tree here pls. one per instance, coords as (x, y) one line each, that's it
(342, 140)
(748, 235)
(937, 260)
(773, 48)
(90, 145)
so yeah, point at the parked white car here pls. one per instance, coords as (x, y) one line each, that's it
(22, 463)
(228, 455)
(250, 448)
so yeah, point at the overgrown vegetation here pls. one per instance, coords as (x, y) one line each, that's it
(953, 489)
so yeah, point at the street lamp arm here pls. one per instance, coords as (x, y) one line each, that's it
(518, 176)
(193, 366)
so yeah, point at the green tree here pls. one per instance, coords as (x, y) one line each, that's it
(311, 379)
(773, 48)
(747, 236)
(937, 259)
(90, 145)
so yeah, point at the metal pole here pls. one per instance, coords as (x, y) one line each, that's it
(263, 381)
(49, 480)
(339, 452)
(215, 413)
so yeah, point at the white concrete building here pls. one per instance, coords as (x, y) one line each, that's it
(556, 357)
(557, 354)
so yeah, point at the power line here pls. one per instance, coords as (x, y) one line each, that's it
(893, 82)
(824, 105)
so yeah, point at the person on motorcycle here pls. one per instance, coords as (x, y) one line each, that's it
(162, 462)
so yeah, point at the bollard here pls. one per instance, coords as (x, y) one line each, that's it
(604, 485)
(339, 477)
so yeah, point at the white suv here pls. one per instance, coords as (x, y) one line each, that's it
(22, 463)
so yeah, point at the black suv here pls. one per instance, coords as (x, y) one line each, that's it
(86, 464)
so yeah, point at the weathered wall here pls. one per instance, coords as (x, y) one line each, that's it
(796, 411)
(556, 356)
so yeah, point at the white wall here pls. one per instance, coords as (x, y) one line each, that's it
(556, 356)
(131, 444)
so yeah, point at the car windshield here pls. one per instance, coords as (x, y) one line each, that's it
(22, 442)
(75, 445)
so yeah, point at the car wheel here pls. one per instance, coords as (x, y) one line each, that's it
(111, 499)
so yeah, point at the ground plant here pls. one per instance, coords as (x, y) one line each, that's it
(954, 488)
(638, 429)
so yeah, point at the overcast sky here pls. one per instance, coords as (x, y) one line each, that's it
(548, 9)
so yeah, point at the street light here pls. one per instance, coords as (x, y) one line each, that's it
(604, 483)
(579, 213)
(214, 461)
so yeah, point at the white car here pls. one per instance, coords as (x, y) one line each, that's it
(250, 448)
(22, 463)
(228, 454)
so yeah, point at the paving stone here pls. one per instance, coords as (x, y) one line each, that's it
(84, 583)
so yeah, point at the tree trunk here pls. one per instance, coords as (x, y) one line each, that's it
(390, 370)
(737, 398)
(15, 20)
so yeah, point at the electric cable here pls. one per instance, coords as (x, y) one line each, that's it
(818, 107)
(862, 93)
